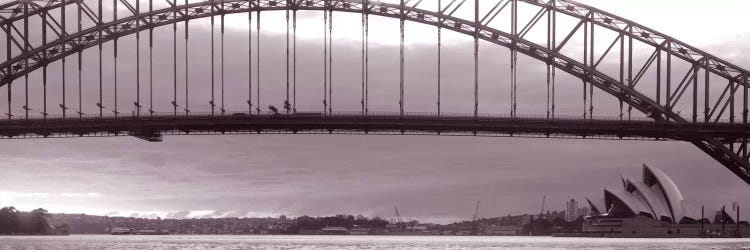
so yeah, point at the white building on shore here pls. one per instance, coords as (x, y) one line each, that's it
(654, 207)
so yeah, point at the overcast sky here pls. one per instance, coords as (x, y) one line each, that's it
(429, 178)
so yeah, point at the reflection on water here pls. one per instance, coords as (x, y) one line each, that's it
(354, 242)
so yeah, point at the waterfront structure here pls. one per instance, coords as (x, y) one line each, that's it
(549, 215)
(503, 230)
(130, 230)
(335, 230)
(121, 230)
(571, 211)
(360, 231)
(583, 211)
(655, 207)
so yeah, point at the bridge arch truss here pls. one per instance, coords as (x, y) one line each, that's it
(727, 106)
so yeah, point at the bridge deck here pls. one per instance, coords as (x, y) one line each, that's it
(151, 127)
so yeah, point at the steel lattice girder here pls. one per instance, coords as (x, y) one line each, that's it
(35, 58)
(126, 26)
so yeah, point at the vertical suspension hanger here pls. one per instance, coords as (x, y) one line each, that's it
(8, 56)
(101, 72)
(512, 59)
(223, 13)
(115, 111)
(80, 69)
(287, 105)
(668, 96)
(325, 57)
(585, 61)
(249, 59)
(257, 64)
(174, 61)
(294, 78)
(362, 102)
(367, 56)
(138, 60)
(213, 57)
(401, 63)
(745, 111)
(622, 71)
(554, 47)
(440, 53)
(330, 59)
(515, 60)
(706, 91)
(64, 35)
(151, 60)
(44, 67)
(695, 92)
(630, 66)
(476, 59)
(187, 60)
(734, 86)
(592, 63)
(549, 47)
(26, 59)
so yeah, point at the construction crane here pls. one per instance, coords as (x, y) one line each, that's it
(541, 212)
(399, 222)
(474, 226)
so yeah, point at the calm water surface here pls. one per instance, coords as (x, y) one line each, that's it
(354, 242)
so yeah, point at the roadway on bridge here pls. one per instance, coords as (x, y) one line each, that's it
(151, 127)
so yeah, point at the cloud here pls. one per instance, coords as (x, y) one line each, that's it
(8, 196)
(90, 194)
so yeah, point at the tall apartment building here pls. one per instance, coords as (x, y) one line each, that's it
(571, 212)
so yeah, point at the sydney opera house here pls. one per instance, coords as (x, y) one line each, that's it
(654, 207)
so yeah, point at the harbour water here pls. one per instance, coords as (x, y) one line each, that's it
(354, 242)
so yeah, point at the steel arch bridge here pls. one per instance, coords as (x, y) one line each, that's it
(711, 91)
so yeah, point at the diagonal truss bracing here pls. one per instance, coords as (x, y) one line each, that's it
(25, 56)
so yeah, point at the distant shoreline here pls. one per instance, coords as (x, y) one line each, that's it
(3, 235)
(353, 235)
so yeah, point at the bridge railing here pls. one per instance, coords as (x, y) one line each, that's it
(338, 114)
(333, 115)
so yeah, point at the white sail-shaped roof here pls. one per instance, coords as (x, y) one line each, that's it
(595, 207)
(657, 206)
(653, 177)
(632, 203)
